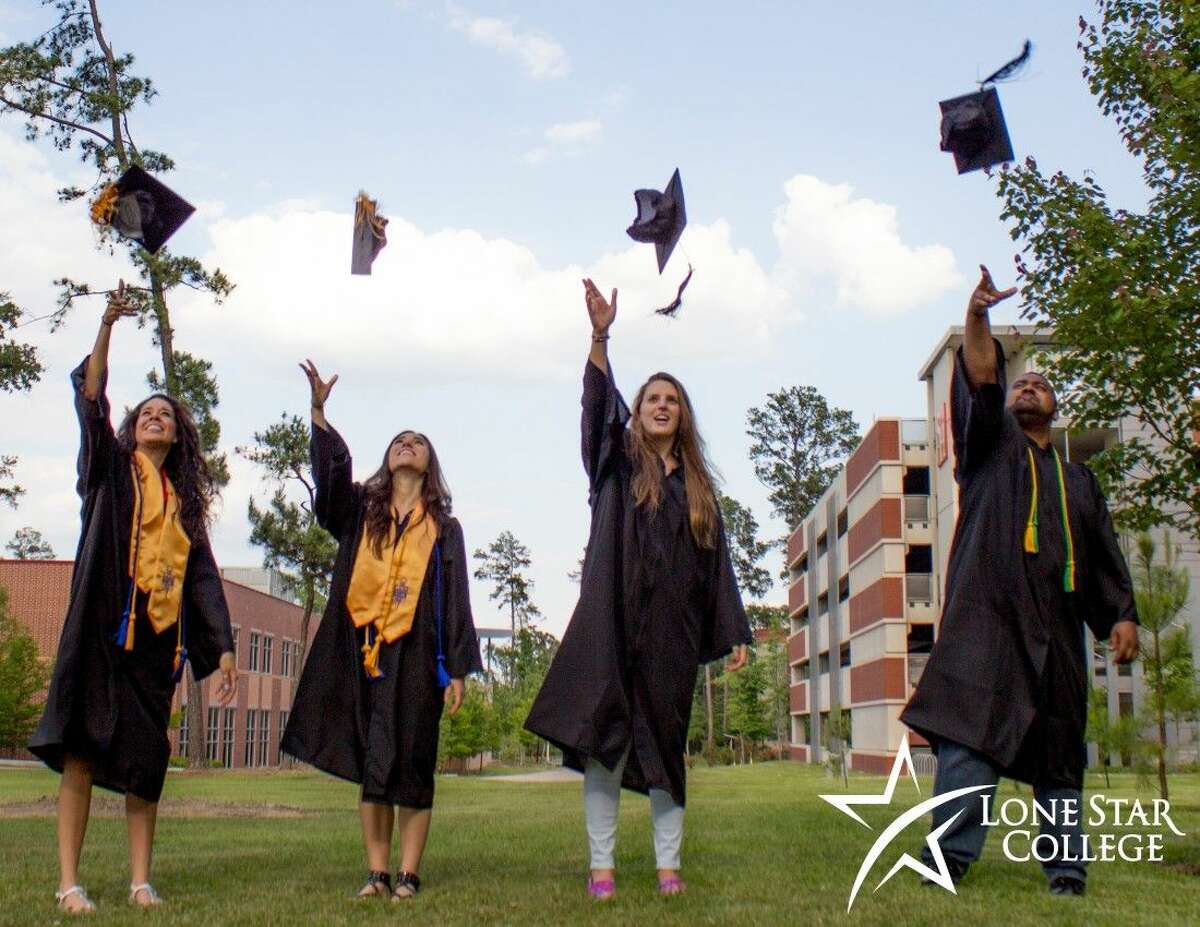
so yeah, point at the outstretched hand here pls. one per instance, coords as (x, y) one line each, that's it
(118, 305)
(320, 388)
(454, 696)
(986, 295)
(738, 658)
(601, 312)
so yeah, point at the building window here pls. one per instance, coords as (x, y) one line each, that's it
(227, 737)
(283, 718)
(844, 654)
(1124, 704)
(843, 522)
(254, 651)
(920, 638)
(210, 734)
(801, 672)
(1124, 669)
(916, 481)
(183, 730)
(822, 604)
(822, 544)
(249, 755)
(918, 559)
(844, 588)
(801, 619)
(264, 737)
(823, 663)
(285, 657)
(267, 643)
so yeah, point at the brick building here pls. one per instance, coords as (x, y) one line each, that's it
(266, 633)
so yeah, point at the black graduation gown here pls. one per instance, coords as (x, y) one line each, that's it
(382, 733)
(1008, 675)
(653, 607)
(104, 704)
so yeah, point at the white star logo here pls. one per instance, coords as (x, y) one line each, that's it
(941, 875)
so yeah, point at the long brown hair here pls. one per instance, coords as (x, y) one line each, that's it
(690, 449)
(435, 495)
(185, 465)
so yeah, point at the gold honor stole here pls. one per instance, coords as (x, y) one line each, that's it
(384, 589)
(158, 551)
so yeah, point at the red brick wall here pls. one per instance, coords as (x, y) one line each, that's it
(797, 595)
(800, 754)
(881, 521)
(871, 764)
(795, 545)
(884, 598)
(879, 679)
(798, 697)
(798, 646)
(38, 594)
(881, 443)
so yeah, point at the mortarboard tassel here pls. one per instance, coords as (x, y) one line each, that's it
(1011, 68)
(1069, 569)
(1031, 526)
(671, 309)
(104, 205)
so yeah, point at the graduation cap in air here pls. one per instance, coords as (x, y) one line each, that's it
(141, 208)
(369, 235)
(660, 219)
(973, 127)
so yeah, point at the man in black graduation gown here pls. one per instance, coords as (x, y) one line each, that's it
(1005, 689)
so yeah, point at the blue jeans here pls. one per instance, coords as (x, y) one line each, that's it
(960, 767)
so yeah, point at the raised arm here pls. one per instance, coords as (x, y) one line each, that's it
(97, 365)
(979, 355)
(602, 424)
(331, 463)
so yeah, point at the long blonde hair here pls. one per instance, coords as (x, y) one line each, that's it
(689, 448)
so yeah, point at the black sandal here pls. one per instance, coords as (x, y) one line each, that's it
(408, 880)
(375, 878)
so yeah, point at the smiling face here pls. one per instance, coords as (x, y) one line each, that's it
(155, 425)
(1032, 400)
(659, 410)
(409, 450)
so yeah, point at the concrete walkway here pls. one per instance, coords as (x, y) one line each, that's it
(548, 775)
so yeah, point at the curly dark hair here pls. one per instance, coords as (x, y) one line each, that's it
(185, 464)
(379, 522)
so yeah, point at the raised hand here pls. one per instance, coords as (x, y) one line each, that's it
(118, 305)
(601, 312)
(986, 295)
(320, 388)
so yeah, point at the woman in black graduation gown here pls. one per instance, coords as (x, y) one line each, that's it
(146, 597)
(658, 599)
(394, 645)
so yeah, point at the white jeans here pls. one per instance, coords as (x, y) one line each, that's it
(602, 798)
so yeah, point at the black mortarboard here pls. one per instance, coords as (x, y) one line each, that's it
(369, 235)
(660, 218)
(142, 208)
(973, 127)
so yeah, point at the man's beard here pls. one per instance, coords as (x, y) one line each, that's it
(1030, 417)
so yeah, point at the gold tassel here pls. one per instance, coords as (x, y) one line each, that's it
(1031, 526)
(104, 205)
(371, 657)
(365, 211)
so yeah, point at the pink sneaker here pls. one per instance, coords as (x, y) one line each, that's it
(601, 889)
(672, 885)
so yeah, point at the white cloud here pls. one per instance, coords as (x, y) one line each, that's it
(542, 57)
(825, 234)
(574, 133)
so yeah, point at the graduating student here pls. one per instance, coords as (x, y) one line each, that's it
(394, 645)
(658, 599)
(146, 597)
(1034, 559)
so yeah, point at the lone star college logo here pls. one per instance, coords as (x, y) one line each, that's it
(939, 876)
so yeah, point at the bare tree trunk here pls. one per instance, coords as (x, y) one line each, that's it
(197, 720)
(708, 709)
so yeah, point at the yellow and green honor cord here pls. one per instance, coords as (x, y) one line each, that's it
(1031, 525)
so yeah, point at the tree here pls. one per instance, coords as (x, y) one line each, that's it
(23, 676)
(745, 548)
(836, 734)
(1161, 590)
(502, 564)
(1119, 736)
(285, 529)
(798, 442)
(28, 544)
(465, 734)
(1118, 288)
(773, 619)
(749, 718)
(19, 370)
(69, 85)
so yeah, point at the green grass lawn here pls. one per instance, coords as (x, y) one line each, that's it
(760, 848)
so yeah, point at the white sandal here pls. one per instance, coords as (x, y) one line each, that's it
(150, 893)
(88, 906)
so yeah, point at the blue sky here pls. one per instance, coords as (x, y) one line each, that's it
(833, 242)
